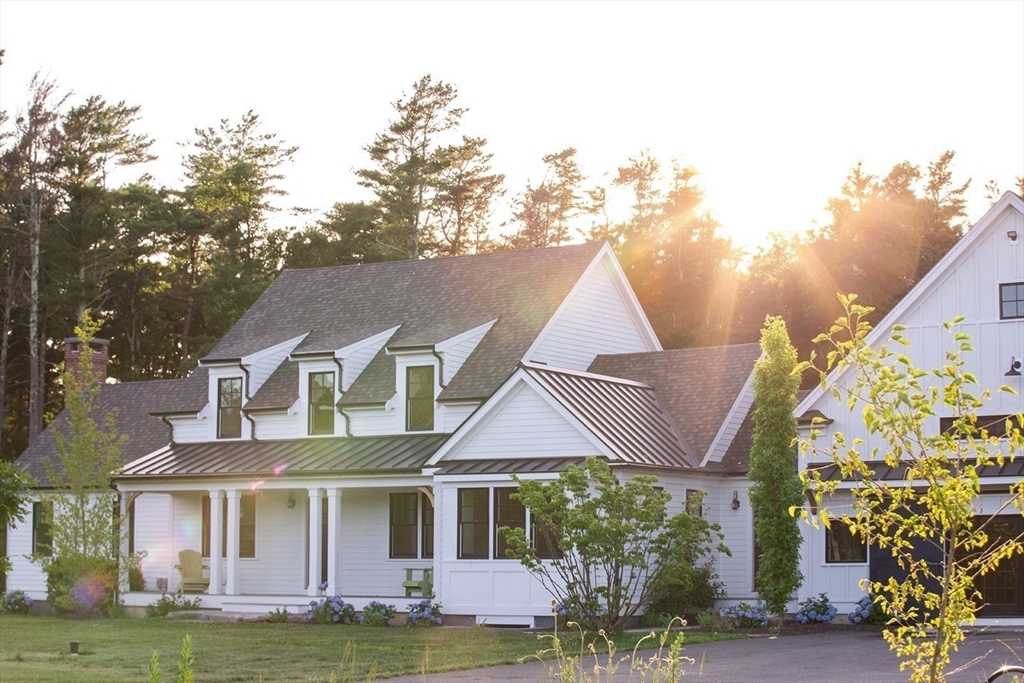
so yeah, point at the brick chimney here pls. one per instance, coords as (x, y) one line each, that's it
(100, 355)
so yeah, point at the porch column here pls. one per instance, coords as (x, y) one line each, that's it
(234, 508)
(439, 522)
(314, 542)
(333, 529)
(216, 540)
(122, 538)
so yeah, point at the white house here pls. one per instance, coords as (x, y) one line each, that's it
(363, 421)
(982, 279)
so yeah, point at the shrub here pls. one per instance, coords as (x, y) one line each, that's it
(684, 591)
(745, 615)
(85, 586)
(278, 616)
(714, 622)
(816, 611)
(867, 611)
(136, 582)
(333, 610)
(17, 602)
(377, 614)
(424, 613)
(171, 603)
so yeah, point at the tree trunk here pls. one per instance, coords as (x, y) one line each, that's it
(35, 383)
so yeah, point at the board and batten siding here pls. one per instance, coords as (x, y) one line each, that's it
(526, 426)
(596, 319)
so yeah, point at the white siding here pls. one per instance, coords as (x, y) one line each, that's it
(456, 350)
(193, 429)
(262, 365)
(455, 414)
(153, 531)
(369, 421)
(281, 533)
(526, 426)
(271, 426)
(357, 356)
(736, 572)
(25, 575)
(595, 319)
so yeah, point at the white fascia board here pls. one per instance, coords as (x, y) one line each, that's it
(924, 286)
(478, 331)
(726, 432)
(605, 258)
(492, 478)
(157, 484)
(498, 400)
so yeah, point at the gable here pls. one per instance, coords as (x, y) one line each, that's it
(600, 316)
(523, 425)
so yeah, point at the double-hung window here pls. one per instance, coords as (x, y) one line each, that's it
(229, 408)
(474, 522)
(42, 531)
(409, 532)
(321, 403)
(419, 398)
(480, 519)
(507, 512)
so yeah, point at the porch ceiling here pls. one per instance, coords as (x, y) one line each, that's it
(293, 456)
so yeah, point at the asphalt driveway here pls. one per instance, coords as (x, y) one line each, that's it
(822, 658)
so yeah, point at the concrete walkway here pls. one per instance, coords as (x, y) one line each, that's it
(852, 656)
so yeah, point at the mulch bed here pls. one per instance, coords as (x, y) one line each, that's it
(791, 628)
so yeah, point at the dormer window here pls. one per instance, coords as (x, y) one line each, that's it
(321, 403)
(419, 398)
(229, 408)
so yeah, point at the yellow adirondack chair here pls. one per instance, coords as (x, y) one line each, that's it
(191, 569)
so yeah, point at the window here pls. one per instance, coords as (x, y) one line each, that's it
(42, 532)
(403, 524)
(131, 528)
(419, 398)
(229, 408)
(246, 526)
(473, 524)
(545, 541)
(1011, 300)
(843, 546)
(507, 512)
(994, 425)
(321, 403)
(428, 526)
(695, 502)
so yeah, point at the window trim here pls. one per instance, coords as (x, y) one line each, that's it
(393, 526)
(500, 544)
(221, 408)
(419, 401)
(423, 542)
(496, 541)
(313, 408)
(994, 425)
(829, 533)
(461, 524)
(246, 499)
(1003, 286)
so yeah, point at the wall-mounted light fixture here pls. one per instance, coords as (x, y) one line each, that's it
(1014, 370)
(1012, 234)
(735, 500)
(291, 500)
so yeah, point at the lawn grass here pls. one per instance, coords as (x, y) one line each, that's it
(35, 648)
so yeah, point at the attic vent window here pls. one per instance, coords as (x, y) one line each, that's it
(229, 408)
(1011, 300)
(419, 398)
(321, 403)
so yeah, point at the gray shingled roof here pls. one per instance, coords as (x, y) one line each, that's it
(626, 416)
(134, 401)
(280, 390)
(432, 300)
(698, 386)
(379, 454)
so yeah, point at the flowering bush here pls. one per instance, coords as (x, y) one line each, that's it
(745, 615)
(333, 610)
(17, 602)
(867, 611)
(816, 611)
(377, 614)
(424, 613)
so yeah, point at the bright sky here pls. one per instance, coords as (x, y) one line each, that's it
(772, 102)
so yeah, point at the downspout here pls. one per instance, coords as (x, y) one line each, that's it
(341, 393)
(252, 423)
(440, 369)
(170, 430)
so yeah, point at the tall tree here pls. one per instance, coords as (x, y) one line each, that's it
(776, 487)
(348, 233)
(547, 213)
(466, 192)
(408, 162)
(233, 173)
